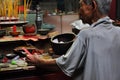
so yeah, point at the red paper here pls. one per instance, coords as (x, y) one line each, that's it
(27, 52)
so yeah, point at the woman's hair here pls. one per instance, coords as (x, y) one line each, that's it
(103, 5)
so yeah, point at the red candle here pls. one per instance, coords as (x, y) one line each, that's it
(14, 28)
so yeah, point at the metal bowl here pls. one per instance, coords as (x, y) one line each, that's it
(21, 53)
(14, 33)
(75, 30)
(10, 55)
(62, 42)
(2, 32)
(43, 31)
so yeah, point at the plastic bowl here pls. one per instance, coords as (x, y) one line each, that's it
(62, 42)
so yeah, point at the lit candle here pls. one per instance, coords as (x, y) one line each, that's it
(14, 28)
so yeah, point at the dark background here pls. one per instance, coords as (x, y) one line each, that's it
(61, 5)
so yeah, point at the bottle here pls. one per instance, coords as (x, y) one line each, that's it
(38, 20)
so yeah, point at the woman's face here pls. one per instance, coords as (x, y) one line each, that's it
(86, 13)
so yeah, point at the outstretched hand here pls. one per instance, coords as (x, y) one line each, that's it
(34, 59)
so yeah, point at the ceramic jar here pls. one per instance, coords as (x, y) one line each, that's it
(29, 28)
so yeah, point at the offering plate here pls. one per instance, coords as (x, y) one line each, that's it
(11, 23)
(8, 19)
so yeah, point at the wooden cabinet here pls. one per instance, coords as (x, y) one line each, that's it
(33, 75)
(62, 24)
(30, 74)
(52, 76)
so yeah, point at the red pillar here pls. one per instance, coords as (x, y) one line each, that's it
(112, 13)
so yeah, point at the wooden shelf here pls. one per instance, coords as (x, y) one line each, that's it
(11, 23)
(23, 38)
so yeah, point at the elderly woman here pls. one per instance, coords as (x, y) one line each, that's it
(95, 54)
